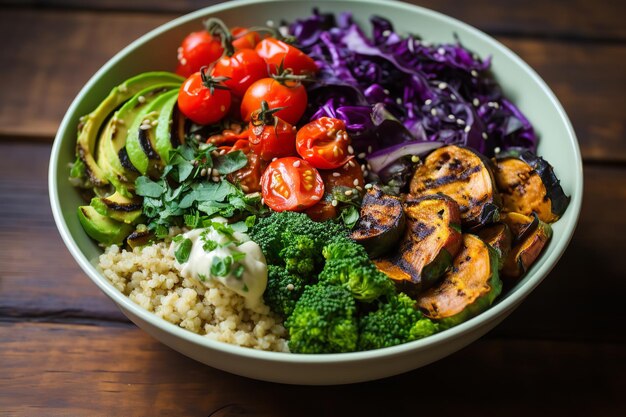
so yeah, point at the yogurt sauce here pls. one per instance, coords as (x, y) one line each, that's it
(230, 258)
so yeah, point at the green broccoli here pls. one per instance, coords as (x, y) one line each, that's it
(395, 322)
(283, 290)
(323, 321)
(347, 264)
(273, 233)
(301, 256)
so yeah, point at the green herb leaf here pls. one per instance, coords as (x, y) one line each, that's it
(192, 220)
(220, 267)
(250, 220)
(202, 277)
(238, 256)
(230, 162)
(350, 215)
(183, 250)
(209, 245)
(238, 271)
(145, 187)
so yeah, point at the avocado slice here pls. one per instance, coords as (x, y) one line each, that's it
(111, 155)
(118, 207)
(102, 228)
(141, 141)
(170, 129)
(91, 124)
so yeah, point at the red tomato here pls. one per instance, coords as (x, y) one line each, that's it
(324, 143)
(244, 39)
(275, 52)
(248, 177)
(271, 137)
(348, 175)
(198, 49)
(242, 69)
(290, 95)
(291, 184)
(322, 211)
(203, 100)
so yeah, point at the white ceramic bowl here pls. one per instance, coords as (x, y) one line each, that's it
(520, 83)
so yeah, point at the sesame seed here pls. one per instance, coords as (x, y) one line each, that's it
(290, 287)
(467, 129)
(223, 152)
(145, 122)
(245, 188)
(348, 192)
(493, 104)
(442, 86)
(141, 99)
(460, 122)
(183, 61)
(365, 173)
(315, 197)
(496, 149)
(398, 100)
(415, 159)
(350, 149)
(273, 159)
(452, 97)
(215, 172)
(485, 135)
(433, 112)
(355, 182)
(215, 179)
(476, 102)
(336, 174)
(296, 164)
(270, 23)
(361, 155)
(441, 51)
(334, 203)
(410, 45)
(363, 167)
(451, 117)
(154, 122)
(474, 73)
(359, 188)
(122, 88)
(197, 137)
(386, 32)
(428, 102)
(368, 186)
(351, 163)
(203, 172)
(386, 91)
(145, 127)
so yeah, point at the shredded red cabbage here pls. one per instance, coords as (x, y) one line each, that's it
(391, 89)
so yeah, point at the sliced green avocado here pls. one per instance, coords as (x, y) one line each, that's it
(118, 207)
(111, 155)
(90, 124)
(102, 228)
(170, 129)
(141, 141)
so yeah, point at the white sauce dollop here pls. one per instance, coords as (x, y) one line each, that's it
(249, 280)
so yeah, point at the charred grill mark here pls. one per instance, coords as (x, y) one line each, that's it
(422, 230)
(462, 176)
(82, 154)
(146, 145)
(175, 139)
(121, 207)
(125, 161)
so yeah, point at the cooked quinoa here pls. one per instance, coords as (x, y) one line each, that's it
(148, 277)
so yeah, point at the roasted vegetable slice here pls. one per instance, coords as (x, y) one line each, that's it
(381, 223)
(499, 237)
(139, 238)
(525, 253)
(463, 175)
(118, 207)
(431, 239)
(528, 184)
(521, 225)
(468, 289)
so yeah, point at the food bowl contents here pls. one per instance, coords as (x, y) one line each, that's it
(310, 189)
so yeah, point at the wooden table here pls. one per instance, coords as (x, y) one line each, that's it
(65, 349)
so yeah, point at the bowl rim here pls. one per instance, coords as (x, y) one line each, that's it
(499, 309)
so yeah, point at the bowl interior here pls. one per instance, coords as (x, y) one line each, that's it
(520, 83)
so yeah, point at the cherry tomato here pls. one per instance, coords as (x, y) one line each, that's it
(291, 184)
(289, 94)
(242, 69)
(276, 52)
(348, 175)
(271, 137)
(324, 143)
(202, 99)
(248, 177)
(197, 50)
(244, 39)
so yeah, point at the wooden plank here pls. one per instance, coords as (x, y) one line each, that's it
(84, 370)
(562, 18)
(581, 299)
(585, 77)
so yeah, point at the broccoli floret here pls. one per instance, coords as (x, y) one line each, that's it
(347, 264)
(395, 322)
(323, 321)
(301, 255)
(272, 233)
(283, 290)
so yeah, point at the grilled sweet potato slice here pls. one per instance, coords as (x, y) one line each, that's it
(381, 223)
(499, 237)
(526, 252)
(528, 184)
(468, 289)
(431, 239)
(463, 175)
(521, 225)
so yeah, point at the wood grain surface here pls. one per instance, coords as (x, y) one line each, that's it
(66, 350)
